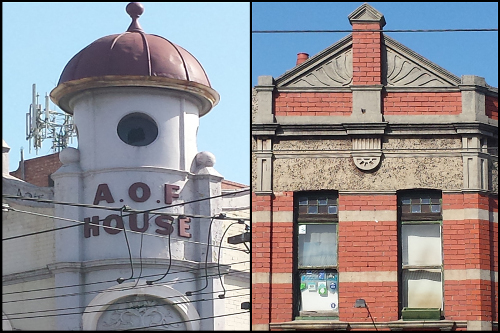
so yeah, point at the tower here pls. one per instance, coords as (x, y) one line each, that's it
(136, 99)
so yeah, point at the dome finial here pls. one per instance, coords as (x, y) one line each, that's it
(135, 9)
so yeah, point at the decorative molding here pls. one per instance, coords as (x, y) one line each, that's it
(140, 311)
(405, 68)
(366, 152)
(336, 72)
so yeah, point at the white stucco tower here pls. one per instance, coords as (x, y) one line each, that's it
(136, 99)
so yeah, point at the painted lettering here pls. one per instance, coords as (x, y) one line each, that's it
(132, 192)
(169, 193)
(184, 226)
(103, 193)
(132, 221)
(107, 223)
(162, 221)
(91, 226)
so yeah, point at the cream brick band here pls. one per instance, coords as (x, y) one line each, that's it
(470, 214)
(384, 276)
(371, 215)
(469, 274)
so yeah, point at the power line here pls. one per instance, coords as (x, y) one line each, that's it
(368, 30)
(79, 223)
(118, 303)
(133, 211)
(186, 280)
(107, 281)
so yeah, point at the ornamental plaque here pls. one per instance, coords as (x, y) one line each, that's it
(366, 152)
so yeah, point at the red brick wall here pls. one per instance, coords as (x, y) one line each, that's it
(313, 104)
(491, 107)
(470, 244)
(424, 103)
(261, 260)
(37, 170)
(366, 49)
(368, 246)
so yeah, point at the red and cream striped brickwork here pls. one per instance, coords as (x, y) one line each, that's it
(367, 257)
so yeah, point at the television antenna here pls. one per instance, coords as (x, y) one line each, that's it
(48, 124)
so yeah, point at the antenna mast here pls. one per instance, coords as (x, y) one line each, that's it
(48, 124)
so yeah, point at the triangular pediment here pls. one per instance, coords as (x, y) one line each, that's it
(366, 13)
(330, 68)
(406, 68)
(401, 67)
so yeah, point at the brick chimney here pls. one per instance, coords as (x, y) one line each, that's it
(366, 46)
(301, 57)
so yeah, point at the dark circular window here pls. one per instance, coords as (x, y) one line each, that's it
(137, 129)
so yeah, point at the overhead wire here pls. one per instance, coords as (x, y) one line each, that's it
(106, 310)
(108, 227)
(120, 303)
(218, 258)
(106, 281)
(371, 30)
(185, 280)
(9, 196)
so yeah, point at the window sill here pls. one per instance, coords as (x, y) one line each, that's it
(324, 324)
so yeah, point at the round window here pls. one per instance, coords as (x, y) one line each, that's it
(137, 129)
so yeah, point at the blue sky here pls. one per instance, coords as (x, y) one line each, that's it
(461, 53)
(39, 38)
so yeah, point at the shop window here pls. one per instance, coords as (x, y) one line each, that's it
(421, 269)
(316, 283)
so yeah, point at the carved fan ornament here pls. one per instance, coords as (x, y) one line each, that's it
(336, 72)
(140, 312)
(366, 153)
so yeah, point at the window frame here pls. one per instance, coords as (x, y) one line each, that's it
(431, 218)
(313, 219)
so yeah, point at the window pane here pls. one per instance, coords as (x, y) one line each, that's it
(317, 247)
(406, 201)
(332, 209)
(303, 201)
(425, 201)
(319, 290)
(422, 289)
(303, 209)
(426, 208)
(312, 210)
(323, 209)
(436, 208)
(322, 201)
(421, 244)
(415, 208)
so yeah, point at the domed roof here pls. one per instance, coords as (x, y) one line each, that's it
(134, 58)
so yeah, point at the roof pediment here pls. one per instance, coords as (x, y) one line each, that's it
(365, 14)
(401, 67)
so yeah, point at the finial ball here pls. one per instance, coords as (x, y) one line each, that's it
(135, 9)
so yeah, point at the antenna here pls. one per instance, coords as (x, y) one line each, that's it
(48, 124)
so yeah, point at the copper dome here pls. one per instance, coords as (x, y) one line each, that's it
(133, 58)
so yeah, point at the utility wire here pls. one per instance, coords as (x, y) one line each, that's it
(9, 196)
(99, 282)
(211, 317)
(368, 30)
(112, 228)
(119, 303)
(98, 311)
(186, 280)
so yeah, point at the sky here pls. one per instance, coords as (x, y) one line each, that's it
(460, 53)
(39, 39)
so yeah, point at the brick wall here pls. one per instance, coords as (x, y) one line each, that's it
(422, 103)
(37, 170)
(366, 50)
(491, 107)
(313, 104)
(367, 246)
